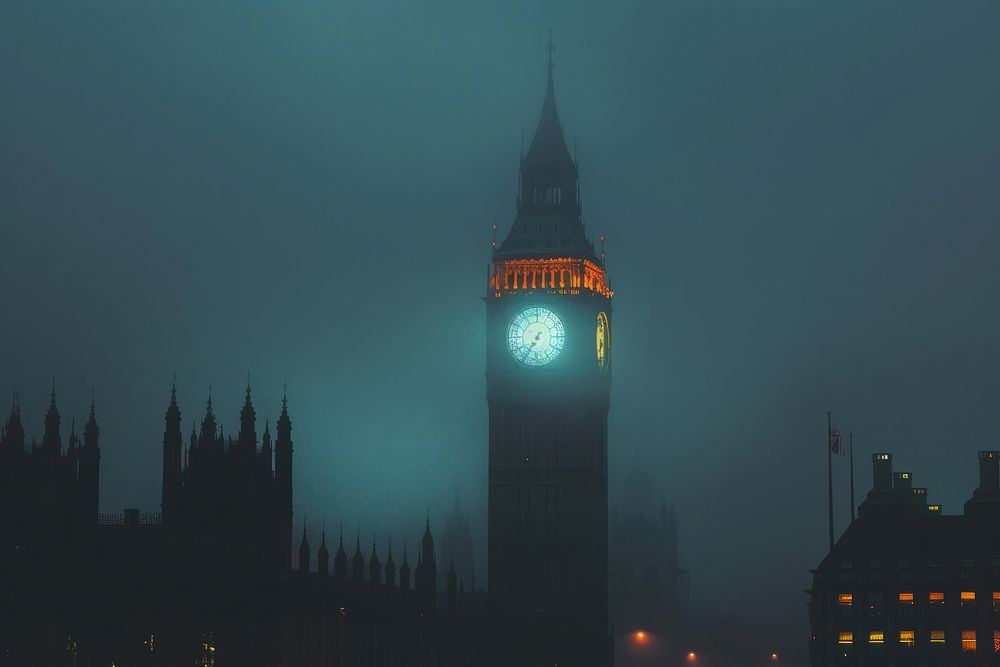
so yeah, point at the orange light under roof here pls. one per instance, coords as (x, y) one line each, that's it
(845, 598)
(640, 638)
(906, 597)
(967, 596)
(936, 597)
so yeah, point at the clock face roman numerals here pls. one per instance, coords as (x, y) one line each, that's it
(536, 336)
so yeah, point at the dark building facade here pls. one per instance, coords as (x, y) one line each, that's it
(906, 585)
(211, 579)
(548, 312)
(648, 590)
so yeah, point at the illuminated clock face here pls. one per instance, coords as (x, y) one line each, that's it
(536, 336)
(603, 342)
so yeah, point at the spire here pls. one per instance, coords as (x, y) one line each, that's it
(208, 424)
(358, 562)
(73, 440)
(14, 429)
(265, 441)
(323, 555)
(390, 568)
(247, 437)
(374, 567)
(51, 440)
(548, 147)
(548, 223)
(340, 560)
(304, 549)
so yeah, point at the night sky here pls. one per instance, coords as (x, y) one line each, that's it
(801, 202)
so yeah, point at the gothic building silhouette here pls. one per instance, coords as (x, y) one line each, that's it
(211, 579)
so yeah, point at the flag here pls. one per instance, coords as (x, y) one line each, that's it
(836, 442)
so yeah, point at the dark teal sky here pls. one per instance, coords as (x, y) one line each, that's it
(800, 199)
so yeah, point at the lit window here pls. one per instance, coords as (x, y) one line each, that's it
(996, 641)
(937, 636)
(907, 637)
(876, 637)
(845, 598)
(968, 596)
(969, 641)
(906, 598)
(934, 508)
(996, 597)
(845, 638)
(937, 598)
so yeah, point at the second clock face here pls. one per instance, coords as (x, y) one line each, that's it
(536, 336)
(603, 342)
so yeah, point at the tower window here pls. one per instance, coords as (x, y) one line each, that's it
(936, 598)
(907, 637)
(876, 637)
(937, 636)
(845, 638)
(968, 641)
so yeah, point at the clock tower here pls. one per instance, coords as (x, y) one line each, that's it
(548, 374)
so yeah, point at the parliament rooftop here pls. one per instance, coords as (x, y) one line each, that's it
(907, 585)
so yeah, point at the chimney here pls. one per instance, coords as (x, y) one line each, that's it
(881, 471)
(903, 482)
(989, 469)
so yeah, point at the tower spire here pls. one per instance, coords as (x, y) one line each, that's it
(551, 49)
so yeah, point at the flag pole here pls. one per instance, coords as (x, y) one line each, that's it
(851, 444)
(829, 473)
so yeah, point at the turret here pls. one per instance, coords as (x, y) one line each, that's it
(390, 570)
(427, 571)
(404, 573)
(266, 451)
(283, 468)
(12, 441)
(283, 455)
(374, 569)
(208, 438)
(304, 551)
(173, 443)
(246, 441)
(90, 464)
(340, 562)
(51, 440)
(358, 564)
(323, 557)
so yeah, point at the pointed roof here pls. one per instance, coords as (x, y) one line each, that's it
(322, 541)
(548, 147)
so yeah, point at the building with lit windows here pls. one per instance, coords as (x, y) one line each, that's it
(907, 585)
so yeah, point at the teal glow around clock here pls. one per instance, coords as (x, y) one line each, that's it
(536, 336)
